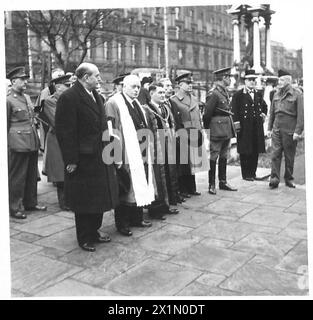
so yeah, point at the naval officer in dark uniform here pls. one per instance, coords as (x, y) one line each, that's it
(23, 145)
(217, 118)
(285, 127)
(249, 110)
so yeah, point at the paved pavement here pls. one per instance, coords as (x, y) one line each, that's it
(250, 242)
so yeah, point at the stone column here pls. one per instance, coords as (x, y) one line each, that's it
(256, 44)
(236, 40)
(268, 44)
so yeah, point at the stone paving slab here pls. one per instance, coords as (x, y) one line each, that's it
(256, 277)
(229, 207)
(265, 244)
(295, 229)
(153, 278)
(188, 218)
(20, 249)
(230, 230)
(46, 226)
(27, 237)
(35, 273)
(211, 259)
(296, 260)
(74, 288)
(64, 240)
(298, 207)
(269, 216)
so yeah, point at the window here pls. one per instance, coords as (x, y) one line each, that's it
(84, 16)
(191, 13)
(105, 50)
(133, 52)
(177, 12)
(177, 32)
(119, 51)
(180, 56)
(148, 52)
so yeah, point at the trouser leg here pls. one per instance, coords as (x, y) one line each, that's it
(136, 216)
(83, 228)
(30, 191)
(60, 193)
(276, 156)
(122, 216)
(289, 146)
(244, 164)
(96, 223)
(18, 164)
(253, 164)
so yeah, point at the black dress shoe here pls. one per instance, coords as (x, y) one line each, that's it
(289, 184)
(88, 247)
(258, 178)
(18, 215)
(103, 239)
(196, 193)
(172, 211)
(248, 179)
(144, 224)
(65, 208)
(226, 186)
(273, 185)
(36, 208)
(125, 232)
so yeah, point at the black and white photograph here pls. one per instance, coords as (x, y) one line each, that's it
(155, 149)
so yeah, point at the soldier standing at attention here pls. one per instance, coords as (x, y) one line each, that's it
(23, 145)
(217, 118)
(285, 127)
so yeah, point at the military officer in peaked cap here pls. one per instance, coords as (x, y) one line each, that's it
(186, 112)
(217, 118)
(23, 145)
(285, 127)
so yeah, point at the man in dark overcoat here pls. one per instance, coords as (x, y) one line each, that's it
(90, 185)
(285, 127)
(185, 108)
(217, 118)
(23, 146)
(250, 111)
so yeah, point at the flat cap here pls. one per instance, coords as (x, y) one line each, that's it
(18, 72)
(222, 72)
(56, 73)
(119, 79)
(187, 76)
(250, 74)
(282, 73)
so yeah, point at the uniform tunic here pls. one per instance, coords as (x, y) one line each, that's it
(23, 145)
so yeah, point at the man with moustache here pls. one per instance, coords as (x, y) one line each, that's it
(23, 146)
(126, 122)
(285, 127)
(90, 185)
(249, 110)
(186, 112)
(217, 118)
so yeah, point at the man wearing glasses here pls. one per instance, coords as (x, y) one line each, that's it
(249, 110)
(217, 118)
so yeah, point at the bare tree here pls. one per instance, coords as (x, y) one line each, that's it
(68, 34)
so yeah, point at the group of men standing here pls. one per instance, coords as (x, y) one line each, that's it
(150, 170)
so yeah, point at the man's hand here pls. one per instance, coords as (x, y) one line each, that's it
(263, 115)
(71, 168)
(269, 134)
(118, 164)
(296, 137)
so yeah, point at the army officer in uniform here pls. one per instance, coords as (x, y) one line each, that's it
(217, 118)
(23, 145)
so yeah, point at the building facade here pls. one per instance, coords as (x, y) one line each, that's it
(200, 40)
